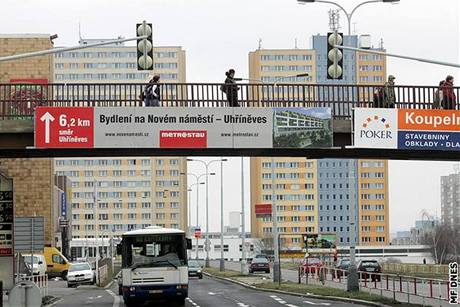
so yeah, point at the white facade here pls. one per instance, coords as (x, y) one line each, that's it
(232, 247)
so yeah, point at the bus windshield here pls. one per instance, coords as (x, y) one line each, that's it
(154, 251)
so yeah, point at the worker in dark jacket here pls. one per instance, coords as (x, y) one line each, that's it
(231, 89)
(152, 92)
(449, 101)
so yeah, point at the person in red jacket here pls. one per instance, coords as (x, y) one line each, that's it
(449, 101)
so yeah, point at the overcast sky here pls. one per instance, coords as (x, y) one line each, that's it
(218, 35)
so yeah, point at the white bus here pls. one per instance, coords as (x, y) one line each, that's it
(154, 265)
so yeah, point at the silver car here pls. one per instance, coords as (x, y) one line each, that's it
(80, 273)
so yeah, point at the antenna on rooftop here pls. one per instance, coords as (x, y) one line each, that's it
(334, 20)
(295, 44)
(260, 43)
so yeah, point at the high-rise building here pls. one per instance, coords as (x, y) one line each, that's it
(373, 211)
(334, 198)
(295, 185)
(33, 186)
(312, 196)
(131, 193)
(328, 211)
(29, 70)
(450, 200)
(282, 66)
(117, 63)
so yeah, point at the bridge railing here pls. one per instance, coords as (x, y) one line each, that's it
(19, 100)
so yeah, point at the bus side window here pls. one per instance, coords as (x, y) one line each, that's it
(189, 243)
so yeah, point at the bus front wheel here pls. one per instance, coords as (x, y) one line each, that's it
(181, 302)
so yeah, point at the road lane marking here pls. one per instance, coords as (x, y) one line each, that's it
(116, 298)
(292, 305)
(313, 303)
(242, 304)
(192, 302)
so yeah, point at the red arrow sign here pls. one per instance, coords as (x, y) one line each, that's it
(64, 127)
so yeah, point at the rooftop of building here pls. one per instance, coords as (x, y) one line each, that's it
(25, 35)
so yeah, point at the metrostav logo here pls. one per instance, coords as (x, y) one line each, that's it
(183, 139)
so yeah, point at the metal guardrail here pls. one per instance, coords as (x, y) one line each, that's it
(409, 268)
(401, 287)
(40, 280)
(19, 100)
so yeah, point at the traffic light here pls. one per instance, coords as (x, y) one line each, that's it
(334, 56)
(144, 46)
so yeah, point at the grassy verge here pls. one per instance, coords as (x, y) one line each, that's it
(226, 273)
(290, 266)
(313, 289)
(328, 291)
(419, 275)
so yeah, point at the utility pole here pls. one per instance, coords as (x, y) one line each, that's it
(243, 229)
(276, 247)
(352, 280)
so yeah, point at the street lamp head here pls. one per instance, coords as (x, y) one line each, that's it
(391, 1)
(305, 1)
(202, 183)
(302, 75)
(212, 174)
(224, 160)
(189, 159)
(182, 173)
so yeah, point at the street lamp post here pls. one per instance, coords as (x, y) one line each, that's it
(197, 178)
(352, 280)
(206, 242)
(190, 189)
(348, 15)
(222, 262)
(276, 248)
(96, 232)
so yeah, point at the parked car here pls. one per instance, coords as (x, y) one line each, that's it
(80, 273)
(341, 268)
(195, 269)
(259, 264)
(366, 268)
(311, 265)
(38, 265)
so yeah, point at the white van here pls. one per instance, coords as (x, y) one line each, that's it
(39, 263)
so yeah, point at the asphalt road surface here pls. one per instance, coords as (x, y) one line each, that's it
(206, 292)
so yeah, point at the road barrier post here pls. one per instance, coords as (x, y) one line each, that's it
(300, 277)
(394, 289)
(408, 292)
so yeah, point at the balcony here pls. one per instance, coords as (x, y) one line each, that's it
(17, 101)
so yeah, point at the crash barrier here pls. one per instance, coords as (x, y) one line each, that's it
(40, 280)
(410, 268)
(402, 287)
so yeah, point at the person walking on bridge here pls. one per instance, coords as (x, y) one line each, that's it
(389, 98)
(449, 101)
(151, 94)
(231, 89)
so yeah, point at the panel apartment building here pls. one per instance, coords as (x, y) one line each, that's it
(312, 196)
(282, 65)
(120, 194)
(117, 63)
(450, 200)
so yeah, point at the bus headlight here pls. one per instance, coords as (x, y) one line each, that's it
(132, 288)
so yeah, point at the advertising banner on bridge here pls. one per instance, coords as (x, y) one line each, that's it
(407, 129)
(158, 127)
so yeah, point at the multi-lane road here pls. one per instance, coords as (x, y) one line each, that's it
(206, 292)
